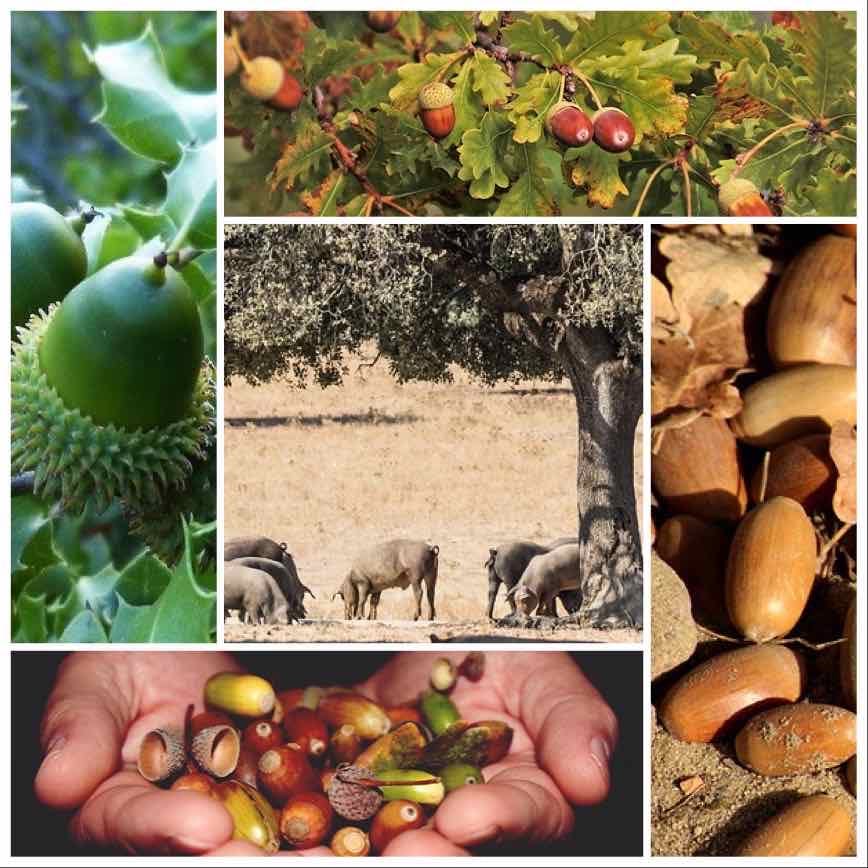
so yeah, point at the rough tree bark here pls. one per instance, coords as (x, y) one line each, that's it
(608, 395)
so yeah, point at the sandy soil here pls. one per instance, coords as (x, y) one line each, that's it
(460, 465)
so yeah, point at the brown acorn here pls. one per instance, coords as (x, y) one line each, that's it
(812, 315)
(613, 130)
(307, 729)
(807, 399)
(717, 696)
(306, 820)
(350, 841)
(216, 749)
(345, 744)
(197, 782)
(382, 22)
(741, 198)
(801, 469)
(770, 570)
(247, 768)
(797, 739)
(399, 714)
(810, 826)
(284, 772)
(392, 819)
(436, 109)
(161, 755)
(262, 735)
(209, 718)
(696, 471)
(366, 716)
(569, 124)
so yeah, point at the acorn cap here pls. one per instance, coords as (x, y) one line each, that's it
(216, 750)
(262, 77)
(161, 755)
(556, 108)
(435, 95)
(353, 801)
(735, 189)
(608, 108)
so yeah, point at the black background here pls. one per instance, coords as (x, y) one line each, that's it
(613, 828)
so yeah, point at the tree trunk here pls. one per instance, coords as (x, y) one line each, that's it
(608, 394)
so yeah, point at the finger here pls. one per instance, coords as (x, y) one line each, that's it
(82, 729)
(573, 728)
(237, 850)
(128, 813)
(423, 842)
(520, 803)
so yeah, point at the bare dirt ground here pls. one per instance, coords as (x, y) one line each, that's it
(460, 465)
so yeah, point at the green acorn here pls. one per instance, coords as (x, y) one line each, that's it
(110, 397)
(48, 257)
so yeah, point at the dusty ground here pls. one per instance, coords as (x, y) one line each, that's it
(460, 465)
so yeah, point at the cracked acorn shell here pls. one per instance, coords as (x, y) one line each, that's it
(796, 739)
(109, 395)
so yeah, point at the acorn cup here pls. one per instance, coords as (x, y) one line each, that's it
(345, 744)
(350, 841)
(161, 755)
(284, 772)
(369, 720)
(307, 729)
(479, 744)
(436, 109)
(216, 750)
(253, 817)
(392, 819)
(354, 793)
(244, 695)
(400, 748)
(306, 820)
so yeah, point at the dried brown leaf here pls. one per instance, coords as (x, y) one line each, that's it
(842, 448)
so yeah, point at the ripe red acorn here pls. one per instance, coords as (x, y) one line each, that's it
(290, 94)
(739, 197)
(613, 130)
(307, 729)
(306, 820)
(436, 109)
(284, 772)
(382, 22)
(247, 767)
(265, 79)
(569, 124)
(206, 719)
(789, 20)
(262, 735)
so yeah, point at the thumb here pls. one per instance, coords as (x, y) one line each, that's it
(83, 729)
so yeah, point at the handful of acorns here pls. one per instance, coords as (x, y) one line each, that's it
(311, 766)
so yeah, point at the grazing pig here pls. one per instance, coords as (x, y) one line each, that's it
(505, 564)
(544, 578)
(398, 563)
(263, 547)
(292, 591)
(255, 594)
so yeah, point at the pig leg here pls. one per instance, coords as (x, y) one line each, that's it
(430, 586)
(417, 593)
(372, 606)
(364, 592)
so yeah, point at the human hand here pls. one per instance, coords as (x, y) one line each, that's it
(564, 735)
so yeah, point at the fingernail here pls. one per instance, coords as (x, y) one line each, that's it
(55, 746)
(600, 753)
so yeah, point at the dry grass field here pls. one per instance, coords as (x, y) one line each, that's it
(460, 465)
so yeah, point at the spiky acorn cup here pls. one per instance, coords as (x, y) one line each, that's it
(110, 397)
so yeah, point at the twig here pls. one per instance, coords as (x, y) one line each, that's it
(749, 155)
(764, 478)
(831, 543)
(637, 210)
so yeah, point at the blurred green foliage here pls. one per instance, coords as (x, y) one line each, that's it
(56, 147)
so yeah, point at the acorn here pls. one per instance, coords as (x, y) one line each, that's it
(812, 315)
(244, 695)
(392, 819)
(112, 397)
(418, 786)
(696, 471)
(400, 748)
(457, 775)
(717, 696)
(436, 109)
(848, 230)
(216, 749)
(399, 714)
(350, 841)
(204, 719)
(368, 718)
(770, 570)
(697, 550)
(345, 744)
(382, 22)
(231, 61)
(438, 711)
(807, 399)
(797, 739)
(306, 820)
(810, 826)
(307, 729)
(161, 755)
(266, 79)
(262, 735)
(284, 772)
(480, 744)
(253, 817)
(613, 130)
(801, 469)
(301, 697)
(247, 767)
(196, 782)
(569, 124)
(444, 674)
(848, 652)
(739, 197)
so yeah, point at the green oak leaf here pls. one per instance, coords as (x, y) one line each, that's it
(489, 79)
(608, 31)
(458, 23)
(660, 60)
(308, 155)
(467, 104)
(833, 195)
(482, 153)
(531, 104)
(324, 57)
(367, 95)
(713, 43)
(530, 195)
(596, 170)
(532, 37)
(414, 76)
